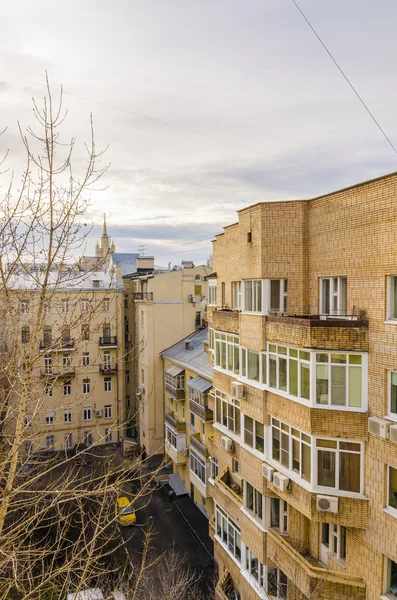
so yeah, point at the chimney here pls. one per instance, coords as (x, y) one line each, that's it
(188, 345)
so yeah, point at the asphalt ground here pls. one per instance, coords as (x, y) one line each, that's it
(170, 530)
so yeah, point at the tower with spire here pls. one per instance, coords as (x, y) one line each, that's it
(106, 247)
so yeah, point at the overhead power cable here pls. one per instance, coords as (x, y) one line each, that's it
(345, 77)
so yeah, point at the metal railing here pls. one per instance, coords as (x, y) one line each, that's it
(108, 368)
(108, 340)
(147, 296)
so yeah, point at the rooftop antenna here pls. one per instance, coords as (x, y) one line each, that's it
(142, 249)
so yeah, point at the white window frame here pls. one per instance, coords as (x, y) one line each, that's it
(49, 390)
(236, 295)
(49, 417)
(257, 296)
(87, 413)
(227, 532)
(68, 441)
(25, 307)
(67, 415)
(253, 433)
(107, 384)
(197, 465)
(282, 306)
(387, 570)
(258, 502)
(50, 441)
(108, 411)
(86, 359)
(86, 386)
(212, 292)
(88, 438)
(108, 435)
(106, 305)
(214, 468)
(334, 543)
(67, 388)
(84, 305)
(260, 580)
(171, 437)
(233, 414)
(336, 299)
(66, 360)
(227, 347)
(65, 306)
(283, 513)
(389, 507)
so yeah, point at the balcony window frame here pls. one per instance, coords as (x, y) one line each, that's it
(389, 591)
(278, 518)
(227, 410)
(236, 292)
(258, 439)
(198, 465)
(228, 534)
(253, 295)
(171, 437)
(254, 502)
(333, 302)
(258, 576)
(212, 292)
(391, 396)
(214, 468)
(282, 304)
(177, 382)
(391, 493)
(227, 352)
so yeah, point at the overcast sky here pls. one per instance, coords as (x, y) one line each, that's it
(207, 106)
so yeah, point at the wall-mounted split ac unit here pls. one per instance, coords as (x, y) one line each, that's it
(393, 433)
(227, 444)
(237, 390)
(98, 413)
(379, 427)
(192, 298)
(141, 389)
(327, 504)
(280, 481)
(267, 472)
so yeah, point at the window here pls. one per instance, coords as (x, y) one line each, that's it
(67, 388)
(227, 411)
(85, 331)
(236, 295)
(125, 300)
(87, 438)
(235, 466)
(84, 305)
(66, 335)
(289, 371)
(67, 415)
(87, 413)
(48, 390)
(279, 515)
(270, 580)
(106, 305)
(46, 308)
(333, 537)
(142, 376)
(197, 465)
(170, 436)
(212, 292)
(254, 434)
(108, 411)
(108, 435)
(66, 360)
(253, 295)
(333, 296)
(47, 364)
(192, 419)
(49, 442)
(253, 501)
(392, 489)
(25, 307)
(227, 352)
(86, 359)
(211, 343)
(250, 364)
(292, 449)
(106, 360)
(197, 397)
(339, 465)
(65, 306)
(25, 335)
(228, 533)
(278, 295)
(176, 383)
(68, 441)
(142, 319)
(339, 379)
(86, 386)
(49, 417)
(127, 376)
(47, 335)
(198, 319)
(213, 467)
(391, 578)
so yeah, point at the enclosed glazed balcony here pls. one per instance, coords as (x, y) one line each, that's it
(199, 387)
(312, 580)
(348, 332)
(174, 381)
(175, 439)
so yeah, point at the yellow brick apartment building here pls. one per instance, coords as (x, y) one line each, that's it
(303, 341)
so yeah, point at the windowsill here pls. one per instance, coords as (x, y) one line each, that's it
(390, 322)
(226, 431)
(253, 451)
(391, 417)
(251, 517)
(389, 510)
(253, 312)
(226, 549)
(211, 481)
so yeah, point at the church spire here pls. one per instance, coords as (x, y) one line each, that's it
(106, 246)
(105, 231)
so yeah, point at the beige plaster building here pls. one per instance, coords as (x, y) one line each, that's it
(303, 336)
(162, 308)
(188, 420)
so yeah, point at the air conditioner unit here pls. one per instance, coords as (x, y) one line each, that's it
(141, 389)
(393, 433)
(379, 427)
(192, 298)
(280, 481)
(327, 504)
(98, 413)
(267, 472)
(227, 444)
(237, 390)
